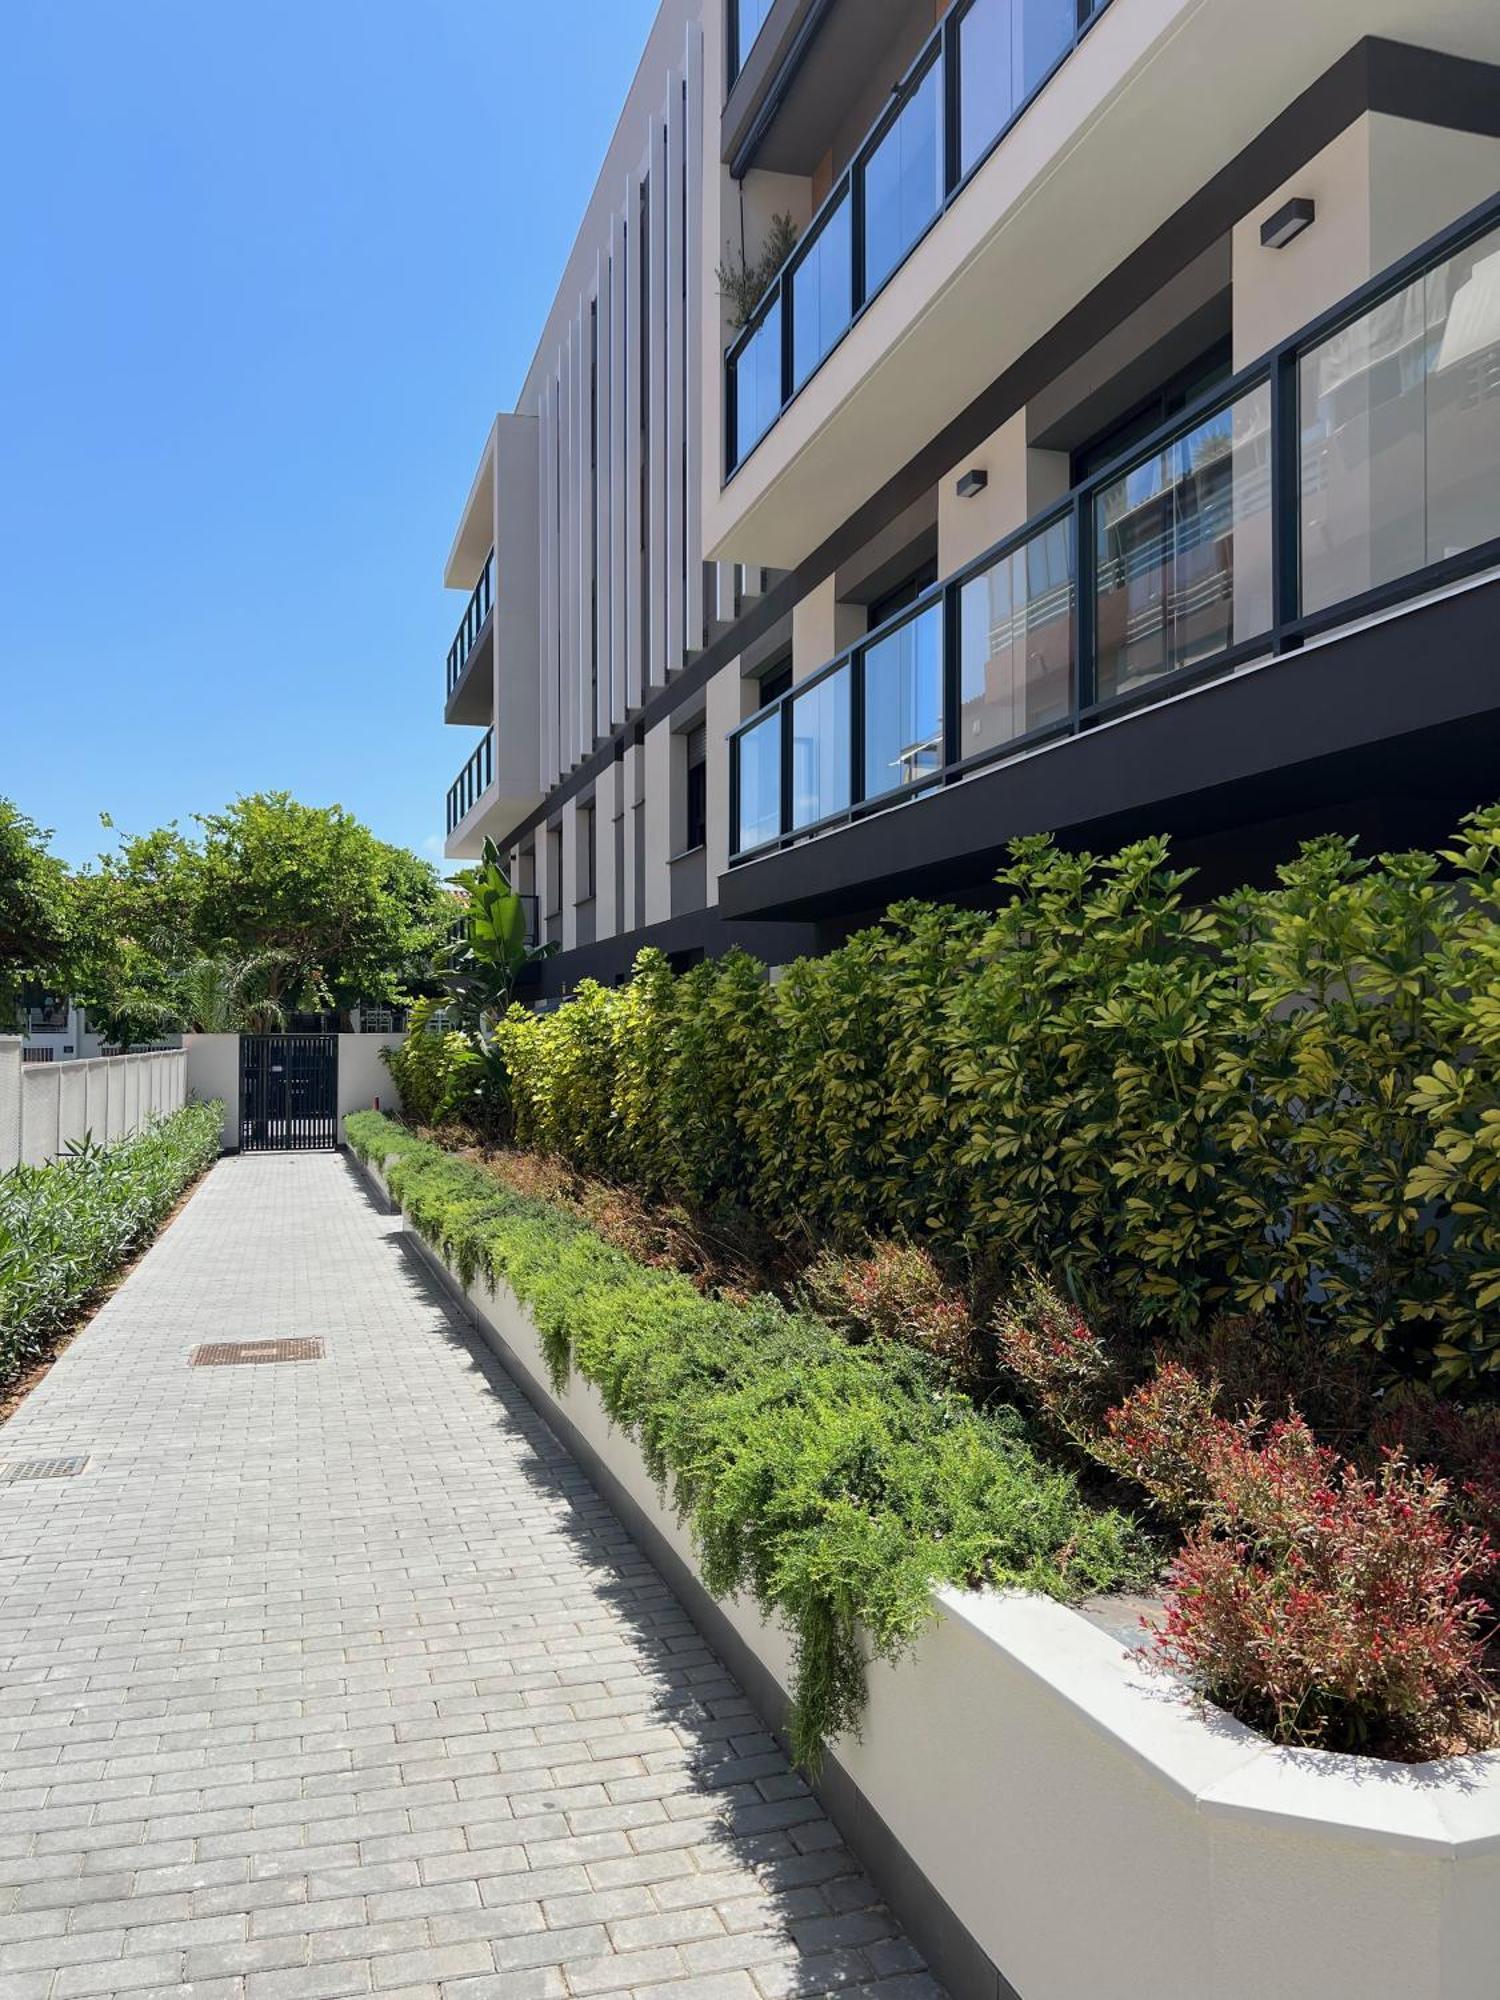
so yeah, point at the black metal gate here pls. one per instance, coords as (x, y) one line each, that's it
(289, 1093)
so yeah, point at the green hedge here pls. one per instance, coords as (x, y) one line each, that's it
(834, 1484)
(1283, 1103)
(67, 1227)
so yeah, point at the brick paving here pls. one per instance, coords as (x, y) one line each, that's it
(337, 1677)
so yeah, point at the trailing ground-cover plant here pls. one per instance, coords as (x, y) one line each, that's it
(1283, 1104)
(67, 1227)
(836, 1484)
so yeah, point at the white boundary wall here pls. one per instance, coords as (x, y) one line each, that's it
(46, 1107)
(213, 1070)
(1088, 1829)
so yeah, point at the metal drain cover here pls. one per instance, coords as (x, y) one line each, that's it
(17, 1469)
(245, 1353)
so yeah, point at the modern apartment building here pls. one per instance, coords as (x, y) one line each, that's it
(1117, 450)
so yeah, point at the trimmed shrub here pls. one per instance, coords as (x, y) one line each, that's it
(1328, 1609)
(436, 1072)
(1284, 1104)
(66, 1228)
(835, 1484)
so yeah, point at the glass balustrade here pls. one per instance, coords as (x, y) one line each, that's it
(1401, 431)
(818, 719)
(1356, 464)
(1017, 621)
(1182, 543)
(987, 61)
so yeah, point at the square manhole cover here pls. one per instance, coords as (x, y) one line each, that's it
(245, 1353)
(12, 1471)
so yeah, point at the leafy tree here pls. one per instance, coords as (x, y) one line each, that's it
(337, 915)
(133, 920)
(34, 927)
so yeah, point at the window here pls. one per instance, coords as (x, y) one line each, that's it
(775, 682)
(587, 859)
(900, 595)
(1212, 368)
(696, 818)
(554, 871)
(903, 181)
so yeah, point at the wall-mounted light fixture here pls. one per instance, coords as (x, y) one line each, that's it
(974, 481)
(1288, 222)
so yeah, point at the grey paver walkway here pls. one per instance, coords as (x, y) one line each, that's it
(336, 1677)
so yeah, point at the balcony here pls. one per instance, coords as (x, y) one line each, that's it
(470, 691)
(1353, 468)
(972, 81)
(472, 784)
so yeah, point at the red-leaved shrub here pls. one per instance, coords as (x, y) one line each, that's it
(1167, 1437)
(1327, 1608)
(1061, 1362)
(894, 1291)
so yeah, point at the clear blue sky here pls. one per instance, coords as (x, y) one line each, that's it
(267, 270)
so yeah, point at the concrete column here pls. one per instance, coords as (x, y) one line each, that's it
(570, 874)
(822, 627)
(606, 888)
(657, 823)
(1021, 482)
(1380, 188)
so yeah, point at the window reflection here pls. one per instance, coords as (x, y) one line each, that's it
(749, 19)
(1183, 544)
(757, 383)
(1006, 48)
(903, 181)
(1400, 415)
(821, 295)
(759, 753)
(1016, 643)
(903, 688)
(820, 750)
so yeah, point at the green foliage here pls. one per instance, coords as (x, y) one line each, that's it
(1285, 1103)
(836, 1484)
(221, 994)
(438, 1073)
(67, 1227)
(34, 926)
(277, 905)
(744, 283)
(480, 971)
(340, 912)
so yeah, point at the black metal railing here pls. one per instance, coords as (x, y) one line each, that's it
(472, 623)
(38, 1055)
(473, 781)
(1355, 465)
(973, 79)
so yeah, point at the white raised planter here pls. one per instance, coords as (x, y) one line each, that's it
(1052, 1823)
